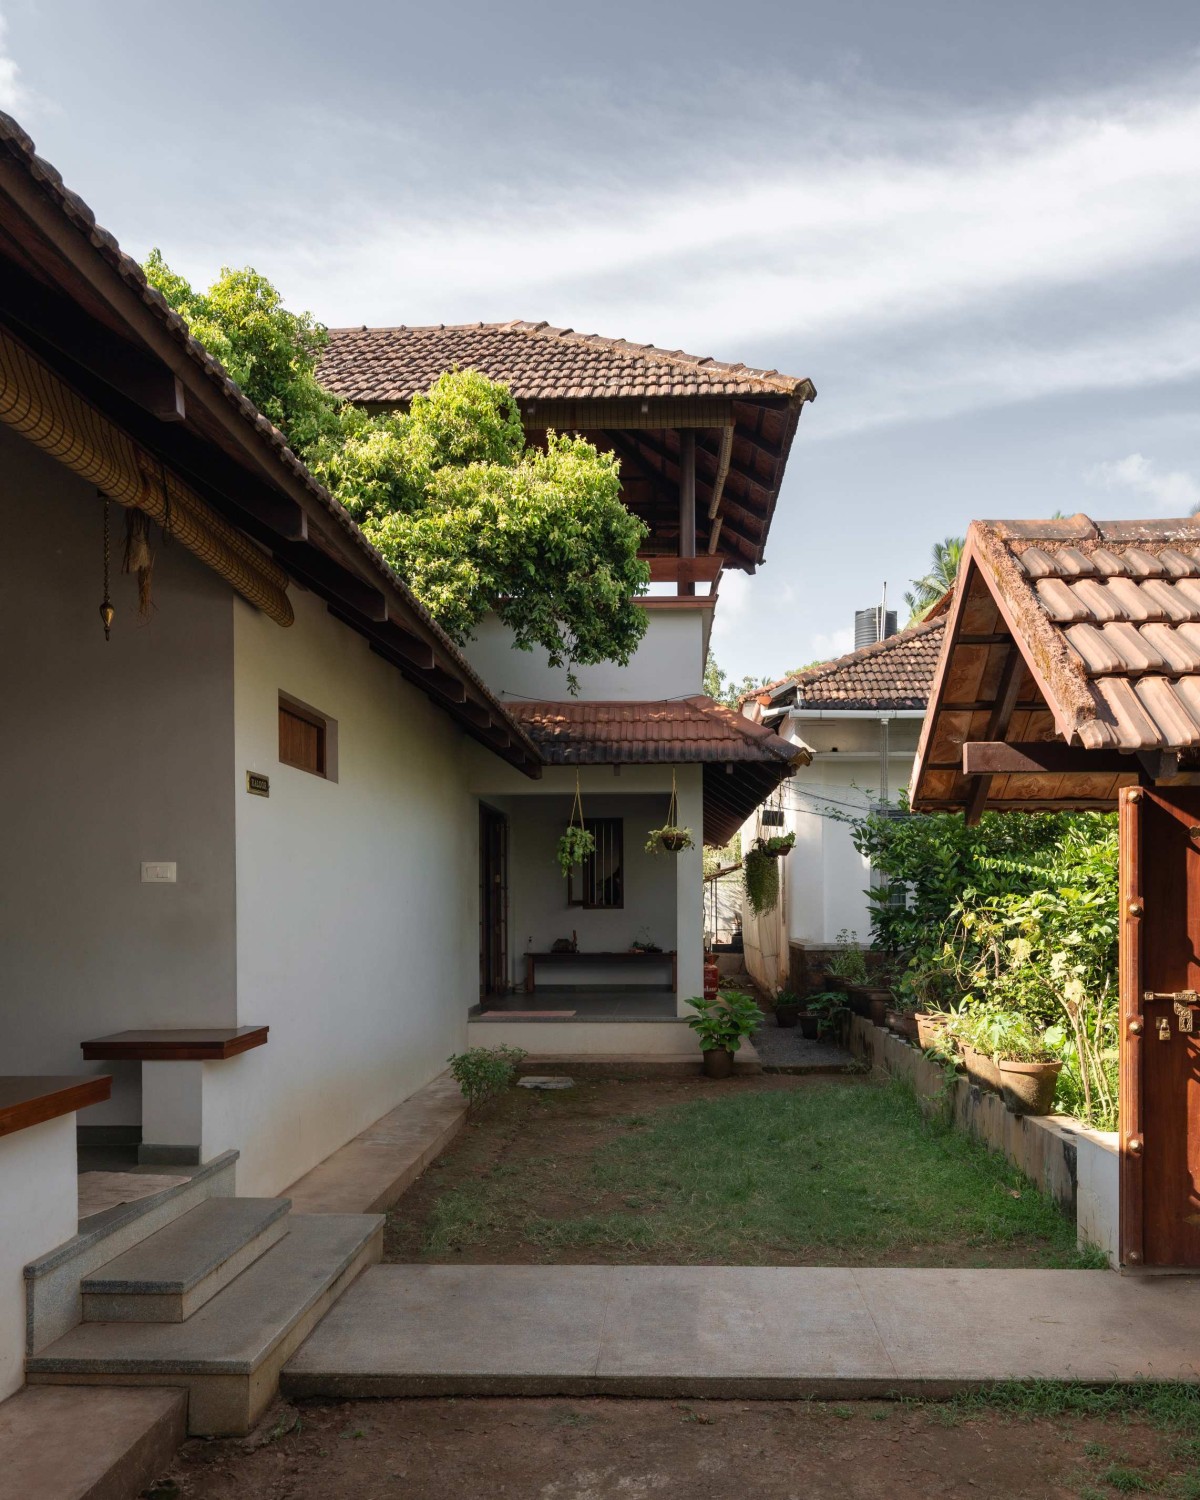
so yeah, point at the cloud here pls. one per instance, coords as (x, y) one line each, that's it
(1173, 492)
(15, 98)
(826, 646)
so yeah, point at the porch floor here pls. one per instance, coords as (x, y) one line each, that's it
(617, 1004)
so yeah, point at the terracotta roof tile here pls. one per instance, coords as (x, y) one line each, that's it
(677, 731)
(895, 673)
(536, 362)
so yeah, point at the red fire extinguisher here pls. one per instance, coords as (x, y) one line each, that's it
(712, 978)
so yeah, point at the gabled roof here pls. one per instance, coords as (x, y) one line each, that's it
(744, 762)
(896, 673)
(630, 399)
(85, 309)
(1102, 619)
(536, 362)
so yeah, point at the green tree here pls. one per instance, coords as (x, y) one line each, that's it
(448, 491)
(722, 689)
(927, 590)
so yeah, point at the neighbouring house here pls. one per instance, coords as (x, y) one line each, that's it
(860, 717)
(278, 846)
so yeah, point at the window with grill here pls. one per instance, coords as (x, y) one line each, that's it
(600, 881)
(303, 738)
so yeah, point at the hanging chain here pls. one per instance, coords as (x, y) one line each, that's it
(106, 609)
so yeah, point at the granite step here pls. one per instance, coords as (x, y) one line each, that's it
(58, 1443)
(54, 1303)
(229, 1353)
(170, 1275)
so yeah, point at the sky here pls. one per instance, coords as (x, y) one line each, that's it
(975, 228)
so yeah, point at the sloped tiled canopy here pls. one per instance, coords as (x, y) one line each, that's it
(1081, 637)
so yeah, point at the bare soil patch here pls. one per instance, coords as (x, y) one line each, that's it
(701, 1450)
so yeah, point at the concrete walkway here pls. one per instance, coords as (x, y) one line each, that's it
(739, 1331)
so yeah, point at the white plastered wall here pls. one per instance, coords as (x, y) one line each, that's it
(38, 1210)
(825, 879)
(357, 900)
(668, 663)
(117, 752)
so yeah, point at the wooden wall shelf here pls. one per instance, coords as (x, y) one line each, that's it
(181, 1044)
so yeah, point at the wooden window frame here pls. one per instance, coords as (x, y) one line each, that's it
(616, 828)
(326, 757)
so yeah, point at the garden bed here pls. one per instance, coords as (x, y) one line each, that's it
(776, 1170)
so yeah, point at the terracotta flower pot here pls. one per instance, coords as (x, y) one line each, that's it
(981, 1069)
(877, 1009)
(787, 1015)
(718, 1062)
(1027, 1088)
(810, 1027)
(902, 1024)
(931, 1029)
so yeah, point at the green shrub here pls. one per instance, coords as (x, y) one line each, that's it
(484, 1072)
(724, 1022)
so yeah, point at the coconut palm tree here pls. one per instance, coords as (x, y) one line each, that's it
(926, 591)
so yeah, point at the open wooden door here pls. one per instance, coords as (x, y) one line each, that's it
(1160, 1027)
(493, 902)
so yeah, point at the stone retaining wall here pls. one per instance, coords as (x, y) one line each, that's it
(1073, 1164)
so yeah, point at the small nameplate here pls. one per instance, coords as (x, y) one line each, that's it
(258, 784)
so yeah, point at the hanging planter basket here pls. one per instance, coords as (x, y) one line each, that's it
(577, 844)
(670, 838)
(777, 847)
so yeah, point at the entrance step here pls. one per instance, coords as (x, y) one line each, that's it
(71, 1444)
(53, 1299)
(229, 1353)
(169, 1276)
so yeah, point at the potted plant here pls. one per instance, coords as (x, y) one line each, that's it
(787, 1008)
(1029, 1068)
(901, 1020)
(761, 874)
(777, 846)
(721, 1025)
(574, 847)
(577, 844)
(828, 1009)
(848, 967)
(669, 838)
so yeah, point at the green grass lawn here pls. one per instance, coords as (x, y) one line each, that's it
(834, 1172)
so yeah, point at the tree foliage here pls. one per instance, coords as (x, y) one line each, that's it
(943, 569)
(448, 491)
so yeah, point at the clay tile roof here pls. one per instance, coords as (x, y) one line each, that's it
(677, 731)
(1115, 608)
(743, 762)
(1105, 616)
(895, 673)
(536, 362)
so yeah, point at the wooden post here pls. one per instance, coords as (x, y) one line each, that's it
(687, 500)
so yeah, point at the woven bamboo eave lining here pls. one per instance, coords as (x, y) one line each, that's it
(35, 402)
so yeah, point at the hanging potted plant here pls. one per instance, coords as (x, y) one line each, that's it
(670, 838)
(762, 880)
(779, 845)
(577, 844)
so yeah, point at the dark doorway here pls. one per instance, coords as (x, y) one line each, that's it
(493, 902)
(1160, 1027)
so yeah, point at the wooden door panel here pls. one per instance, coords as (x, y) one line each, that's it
(1160, 1096)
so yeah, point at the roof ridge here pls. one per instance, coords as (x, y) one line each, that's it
(824, 669)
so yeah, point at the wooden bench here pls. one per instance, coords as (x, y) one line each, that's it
(574, 959)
